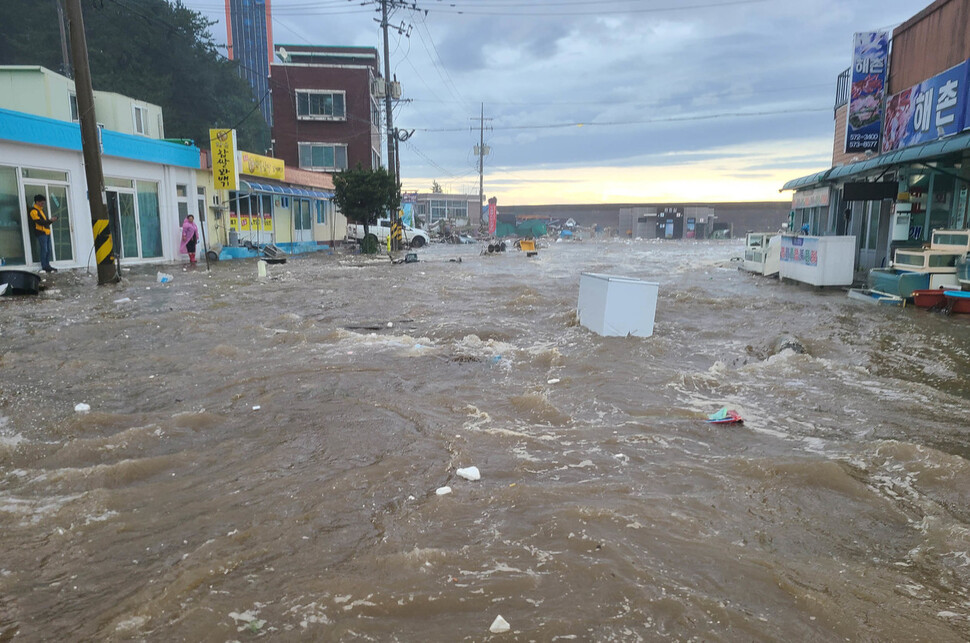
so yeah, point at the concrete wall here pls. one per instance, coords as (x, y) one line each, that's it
(36, 90)
(759, 216)
(117, 113)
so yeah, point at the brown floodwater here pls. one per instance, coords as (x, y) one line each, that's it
(261, 457)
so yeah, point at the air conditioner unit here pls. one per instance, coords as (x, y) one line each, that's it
(395, 90)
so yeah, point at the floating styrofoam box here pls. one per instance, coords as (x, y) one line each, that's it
(615, 306)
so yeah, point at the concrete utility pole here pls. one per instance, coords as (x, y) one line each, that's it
(481, 151)
(65, 60)
(391, 134)
(103, 248)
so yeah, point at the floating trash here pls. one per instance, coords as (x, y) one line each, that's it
(725, 416)
(499, 625)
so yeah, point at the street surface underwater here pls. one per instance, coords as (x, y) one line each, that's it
(262, 457)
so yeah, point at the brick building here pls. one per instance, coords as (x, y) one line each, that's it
(326, 117)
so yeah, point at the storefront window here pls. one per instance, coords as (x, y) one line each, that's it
(148, 219)
(872, 225)
(941, 202)
(11, 227)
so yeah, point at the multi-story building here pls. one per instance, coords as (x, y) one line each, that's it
(326, 115)
(249, 27)
(901, 150)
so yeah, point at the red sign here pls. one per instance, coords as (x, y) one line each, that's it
(492, 215)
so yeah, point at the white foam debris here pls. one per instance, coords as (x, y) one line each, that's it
(554, 380)
(82, 407)
(257, 407)
(469, 473)
(443, 491)
(499, 625)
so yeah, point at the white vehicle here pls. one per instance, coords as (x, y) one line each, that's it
(382, 230)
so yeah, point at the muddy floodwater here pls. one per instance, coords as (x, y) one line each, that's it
(261, 457)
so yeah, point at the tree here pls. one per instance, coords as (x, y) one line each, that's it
(363, 195)
(153, 50)
(435, 187)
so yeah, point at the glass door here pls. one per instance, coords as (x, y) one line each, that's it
(128, 244)
(57, 207)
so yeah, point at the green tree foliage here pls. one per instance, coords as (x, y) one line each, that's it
(363, 195)
(153, 50)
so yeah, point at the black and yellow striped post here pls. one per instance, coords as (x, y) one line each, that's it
(397, 235)
(103, 247)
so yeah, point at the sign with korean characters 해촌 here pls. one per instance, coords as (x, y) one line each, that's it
(864, 118)
(225, 172)
(935, 108)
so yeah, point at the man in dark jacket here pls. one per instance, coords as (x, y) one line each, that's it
(42, 232)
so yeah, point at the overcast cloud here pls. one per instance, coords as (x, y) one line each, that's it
(658, 87)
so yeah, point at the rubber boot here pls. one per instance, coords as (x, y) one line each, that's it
(191, 257)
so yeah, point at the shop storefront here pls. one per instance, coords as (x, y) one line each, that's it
(142, 180)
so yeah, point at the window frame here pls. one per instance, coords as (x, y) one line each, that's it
(310, 116)
(138, 114)
(310, 145)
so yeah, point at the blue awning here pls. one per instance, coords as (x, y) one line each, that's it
(286, 190)
(915, 155)
(806, 181)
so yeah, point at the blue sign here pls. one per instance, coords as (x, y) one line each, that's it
(935, 108)
(864, 117)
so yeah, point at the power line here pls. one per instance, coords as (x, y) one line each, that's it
(671, 119)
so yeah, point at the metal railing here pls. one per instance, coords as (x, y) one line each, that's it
(843, 88)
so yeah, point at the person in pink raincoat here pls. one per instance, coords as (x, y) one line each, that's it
(190, 236)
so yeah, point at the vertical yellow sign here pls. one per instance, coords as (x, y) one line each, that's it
(225, 174)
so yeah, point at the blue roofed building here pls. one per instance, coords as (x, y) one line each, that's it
(151, 183)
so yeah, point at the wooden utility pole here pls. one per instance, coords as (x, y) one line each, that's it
(103, 247)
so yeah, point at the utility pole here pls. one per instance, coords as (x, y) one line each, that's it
(65, 60)
(103, 248)
(481, 151)
(391, 134)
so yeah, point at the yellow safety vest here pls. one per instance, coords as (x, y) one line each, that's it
(42, 224)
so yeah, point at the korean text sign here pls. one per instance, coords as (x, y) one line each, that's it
(225, 173)
(864, 118)
(799, 250)
(935, 108)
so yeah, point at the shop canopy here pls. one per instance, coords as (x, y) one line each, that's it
(286, 190)
(924, 153)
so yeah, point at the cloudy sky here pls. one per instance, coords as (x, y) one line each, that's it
(606, 100)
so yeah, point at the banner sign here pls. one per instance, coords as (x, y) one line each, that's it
(407, 214)
(864, 118)
(492, 215)
(225, 173)
(935, 108)
(814, 198)
(265, 166)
